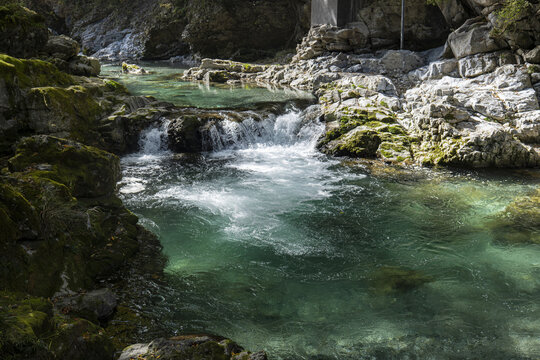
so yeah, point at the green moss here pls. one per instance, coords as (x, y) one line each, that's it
(31, 73)
(85, 170)
(509, 15)
(12, 14)
(115, 87)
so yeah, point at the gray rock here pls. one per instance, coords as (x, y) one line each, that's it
(473, 37)
(189, 347)
(533, 56)
(62, 47)
(84, 66)
(101, 302)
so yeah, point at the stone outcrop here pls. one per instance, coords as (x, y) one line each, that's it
(478, 111)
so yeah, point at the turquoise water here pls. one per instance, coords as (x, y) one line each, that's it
(283, 249)
(164, 82)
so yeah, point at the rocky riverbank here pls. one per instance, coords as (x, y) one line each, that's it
(472, 103)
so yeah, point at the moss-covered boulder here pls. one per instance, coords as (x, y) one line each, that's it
(87, 171)
(30, 329)
(65, 228)
(365, 133)
(519, 223)
(22, 31)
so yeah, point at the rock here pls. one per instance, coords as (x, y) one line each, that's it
(84, 66)
(475, 65)
(189, 347)
(88, 171)
(31, 330)
(473, 37)
(533, 56)
(519, 222)
(80, 339)
(95, 306)
(132, 69)
(390, 280)
(62, 47)
(101, 302)
(22, 32)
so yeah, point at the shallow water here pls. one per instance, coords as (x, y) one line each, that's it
(164, 82)
(284, 249)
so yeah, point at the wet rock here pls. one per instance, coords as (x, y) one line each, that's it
(190, 347)
(519, 223)
(132, 69)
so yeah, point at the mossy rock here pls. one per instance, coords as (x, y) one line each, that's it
(189, 347)
(390, 280)
(23, 32)
(70, 112)
(24, 322)
(80, 339)
(31, 73)
(86, 171)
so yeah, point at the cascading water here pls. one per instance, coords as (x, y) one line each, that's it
(284, 249)
(292, 128)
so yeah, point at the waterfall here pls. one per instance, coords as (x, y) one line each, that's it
(153, 141)
(291, 128)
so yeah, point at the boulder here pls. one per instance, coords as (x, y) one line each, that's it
(97, 305)
(473, 37)
(84, 66)
(89, 172)
(132, 69)
(62, 47)
(533, 56)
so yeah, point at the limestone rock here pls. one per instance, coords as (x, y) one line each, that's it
(533, 56)
(473, 37)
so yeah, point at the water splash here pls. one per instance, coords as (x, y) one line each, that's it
(153, 141)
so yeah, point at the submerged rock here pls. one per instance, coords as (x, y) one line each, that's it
(388, 280)
(519, 223)
(187, 347)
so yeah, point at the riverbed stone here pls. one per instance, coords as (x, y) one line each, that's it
(189, 347)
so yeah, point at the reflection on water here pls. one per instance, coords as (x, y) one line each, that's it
(164, 83)
(283, 249)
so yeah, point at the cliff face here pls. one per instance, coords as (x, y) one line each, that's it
(160, 29)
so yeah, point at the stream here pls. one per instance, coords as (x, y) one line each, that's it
(284, 249)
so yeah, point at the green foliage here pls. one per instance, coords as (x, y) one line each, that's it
(509, 15)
